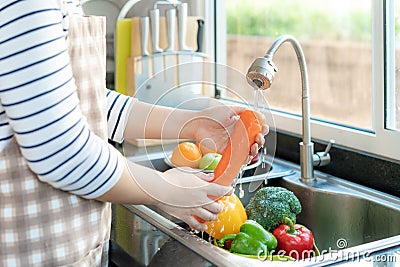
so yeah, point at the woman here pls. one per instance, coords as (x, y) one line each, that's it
(58, 174)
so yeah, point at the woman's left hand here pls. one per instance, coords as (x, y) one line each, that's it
(213, 126)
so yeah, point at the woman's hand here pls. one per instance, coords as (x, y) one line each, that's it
(193, 196)
(213, 126)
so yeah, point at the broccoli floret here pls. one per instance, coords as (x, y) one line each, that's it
(271, 204)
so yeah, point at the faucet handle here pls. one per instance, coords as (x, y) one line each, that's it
(328, 147)
(323, 158)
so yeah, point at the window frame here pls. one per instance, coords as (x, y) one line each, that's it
(390, 57)
(380, 142)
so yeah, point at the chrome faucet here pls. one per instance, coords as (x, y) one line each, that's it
(261, 74)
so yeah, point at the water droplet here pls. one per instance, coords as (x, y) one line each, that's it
(241, 191)
(263, 157)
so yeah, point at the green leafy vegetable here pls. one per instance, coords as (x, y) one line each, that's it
(271, 204)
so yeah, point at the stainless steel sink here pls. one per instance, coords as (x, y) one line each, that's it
(343, 216)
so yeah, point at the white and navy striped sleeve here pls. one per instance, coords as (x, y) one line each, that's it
(41, 106)
(118, 108)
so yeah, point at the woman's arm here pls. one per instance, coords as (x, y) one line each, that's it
(156, 122)
(211, 126)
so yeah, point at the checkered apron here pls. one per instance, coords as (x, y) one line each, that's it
(43, 226)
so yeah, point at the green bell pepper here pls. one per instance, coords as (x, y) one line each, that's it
(253, 239)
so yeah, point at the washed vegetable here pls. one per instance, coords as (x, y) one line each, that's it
(242, 138)
(229, 220)
(186, 154)
(209, 161)
(270, 205)
(253, 239)
(295, 240)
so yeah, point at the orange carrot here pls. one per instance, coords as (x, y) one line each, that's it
(237, 150)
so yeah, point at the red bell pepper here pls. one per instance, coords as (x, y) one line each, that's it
(294, 240)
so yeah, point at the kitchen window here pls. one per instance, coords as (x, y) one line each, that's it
(393, 93)
(353, 60)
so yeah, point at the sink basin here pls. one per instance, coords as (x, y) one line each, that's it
(342, 215)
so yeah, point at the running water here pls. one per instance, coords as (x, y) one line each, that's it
(241, 191)
(257, 97)
(258, 105)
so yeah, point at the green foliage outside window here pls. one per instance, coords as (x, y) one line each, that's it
(302, 19)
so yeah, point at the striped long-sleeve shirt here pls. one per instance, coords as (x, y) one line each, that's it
(39, 103)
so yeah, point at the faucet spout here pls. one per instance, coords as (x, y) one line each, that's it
(261, 74)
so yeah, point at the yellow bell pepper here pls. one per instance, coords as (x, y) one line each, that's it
(229, 220)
